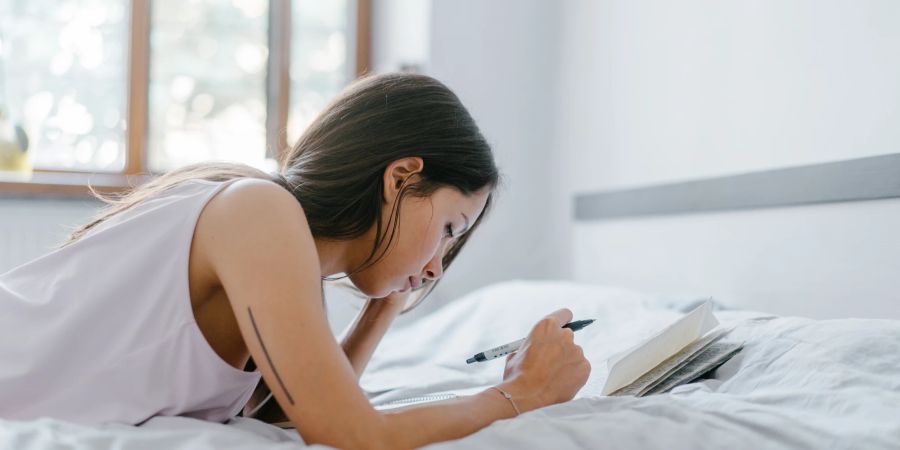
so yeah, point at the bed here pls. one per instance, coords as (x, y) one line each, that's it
(798, 383)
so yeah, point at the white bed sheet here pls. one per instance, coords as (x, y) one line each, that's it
(798, 383)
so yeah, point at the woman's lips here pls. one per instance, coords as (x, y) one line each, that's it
(408, 285)
(411, 283)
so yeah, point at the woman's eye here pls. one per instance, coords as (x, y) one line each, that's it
(449, 232)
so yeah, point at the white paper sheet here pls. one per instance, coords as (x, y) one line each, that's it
(626, 367)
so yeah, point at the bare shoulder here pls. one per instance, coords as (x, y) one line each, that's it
(254, 219)
(251, 195)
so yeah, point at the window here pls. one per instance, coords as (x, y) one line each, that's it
(207, 96)
(319, 59)
(63, 77)
(132, 87)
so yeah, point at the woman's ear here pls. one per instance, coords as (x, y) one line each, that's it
(398, 173)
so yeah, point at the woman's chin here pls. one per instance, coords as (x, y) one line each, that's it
(389, 291)
(378, 291)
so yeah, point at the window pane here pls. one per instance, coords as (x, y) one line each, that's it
(320, 61)
(207, 82)
(63, 77)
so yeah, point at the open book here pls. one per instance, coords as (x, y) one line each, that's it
(684, 351)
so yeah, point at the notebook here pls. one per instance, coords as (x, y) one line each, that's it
(691, 347)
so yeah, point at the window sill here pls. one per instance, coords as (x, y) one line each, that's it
(66, 184)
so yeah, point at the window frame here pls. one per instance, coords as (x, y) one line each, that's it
(75, 183)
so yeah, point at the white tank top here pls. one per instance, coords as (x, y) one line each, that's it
(102, 330)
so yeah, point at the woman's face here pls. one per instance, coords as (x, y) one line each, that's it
(427, 227)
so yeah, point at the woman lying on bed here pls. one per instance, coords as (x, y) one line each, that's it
(156, 307)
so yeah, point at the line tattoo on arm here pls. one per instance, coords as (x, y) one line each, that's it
(268, 358)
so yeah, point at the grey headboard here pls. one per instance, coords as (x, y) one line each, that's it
(876, 177)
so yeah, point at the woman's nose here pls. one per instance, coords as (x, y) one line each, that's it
(434, 269)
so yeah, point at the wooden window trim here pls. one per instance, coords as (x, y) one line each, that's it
(68, 184)
(59, 184)
(138, 87)
(363, 36)
(278, 78)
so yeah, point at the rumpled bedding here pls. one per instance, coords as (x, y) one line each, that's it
(798, 383)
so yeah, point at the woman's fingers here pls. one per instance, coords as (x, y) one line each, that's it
(550, 367)
(551, 324)
(561, 316)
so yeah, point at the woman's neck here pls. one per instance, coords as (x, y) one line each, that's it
(335, 256)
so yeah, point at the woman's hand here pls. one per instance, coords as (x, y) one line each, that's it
(394, 303)
(549, 368)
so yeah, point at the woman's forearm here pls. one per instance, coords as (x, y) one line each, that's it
(416, 426)
(366, 331)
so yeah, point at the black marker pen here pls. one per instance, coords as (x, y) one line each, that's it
(506, 349)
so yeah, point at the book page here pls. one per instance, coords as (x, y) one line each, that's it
(429, 397)
(674, 363)
(415, 401)
(628, 366)
(711, 358)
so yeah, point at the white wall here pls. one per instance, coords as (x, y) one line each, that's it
(401, 34)
(498, 57)
(654, 91)
(821, 261)
(30, 228)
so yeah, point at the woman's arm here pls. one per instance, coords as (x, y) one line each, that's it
(370, 325)
(257, 243)
(359, 343)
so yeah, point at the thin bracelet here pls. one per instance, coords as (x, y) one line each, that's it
(508, 397)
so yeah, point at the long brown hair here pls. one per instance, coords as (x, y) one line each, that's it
(336, 168)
